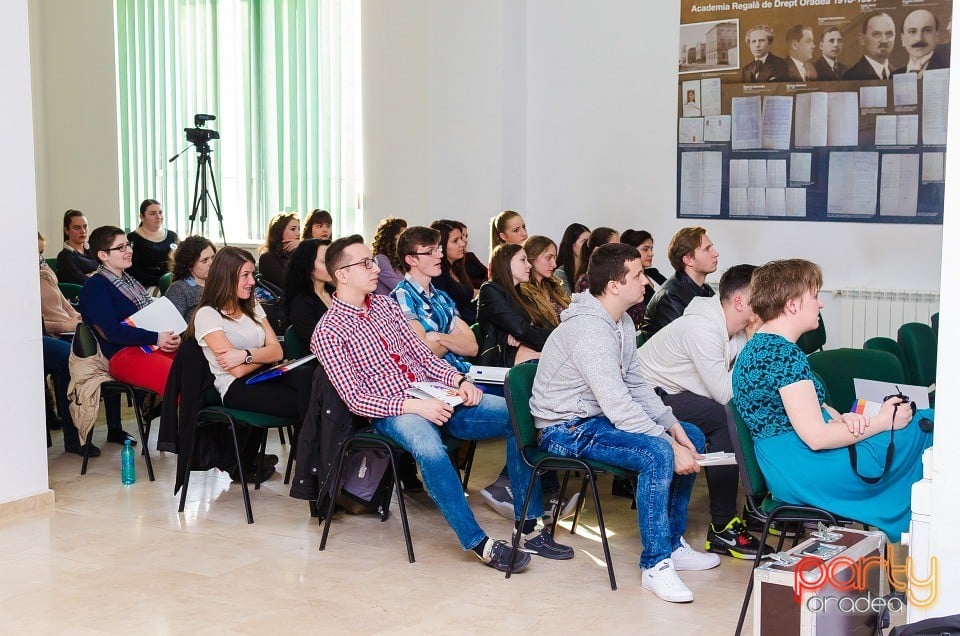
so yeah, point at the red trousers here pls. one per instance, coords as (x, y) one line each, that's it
(145, 370)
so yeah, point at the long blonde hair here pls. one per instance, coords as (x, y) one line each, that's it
(547, 291)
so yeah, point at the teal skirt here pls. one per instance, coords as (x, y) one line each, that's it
(797, 474)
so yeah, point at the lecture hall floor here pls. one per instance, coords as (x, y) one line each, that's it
(110, 559)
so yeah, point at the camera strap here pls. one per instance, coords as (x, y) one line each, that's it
(852, 450)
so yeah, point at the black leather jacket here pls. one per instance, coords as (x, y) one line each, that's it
(499, 316)
(669, 302)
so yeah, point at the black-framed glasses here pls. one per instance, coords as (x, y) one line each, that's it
(123, 247)
(433, 251)
(367, 263)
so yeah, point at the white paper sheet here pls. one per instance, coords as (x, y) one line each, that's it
(873, 97)
(796, 202)
(811, 120)
(936, 88)
(691, 130)
(899, 184)
(745, 128)
(776, 202)
(700, 183)
(875, 390)
(800, 167)
(852, 184)
(776, 173)
(739, 173)
(908, 129)
(710, 96)
(777, 120)
(756, 201)
(904, 89)
(842, 123)
(933, 166)
(738, 202)
(758, 173)
(716, 128)
(159, 315)
(885, 130)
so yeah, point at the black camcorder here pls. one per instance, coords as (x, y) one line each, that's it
(200, 136)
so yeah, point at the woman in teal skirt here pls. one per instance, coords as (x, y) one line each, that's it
(801, 443)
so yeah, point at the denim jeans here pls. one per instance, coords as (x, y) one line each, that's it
(489, 419)
(662, 496)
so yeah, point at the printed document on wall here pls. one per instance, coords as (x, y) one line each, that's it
(852, 187)
(843, 121)
(899, 184)
(936, 86)
(701, 182)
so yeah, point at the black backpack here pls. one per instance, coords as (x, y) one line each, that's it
(367, 483)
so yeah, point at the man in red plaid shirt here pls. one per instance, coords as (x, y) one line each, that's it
(372, 356)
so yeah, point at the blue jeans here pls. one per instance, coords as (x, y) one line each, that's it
(421, 438)
(662, 496)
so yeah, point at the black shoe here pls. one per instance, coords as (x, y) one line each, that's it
(77, 449)
(497, 555)
(54, 423)
(623, 487)
(270, 460)
(542, 544)
(253, 477)
(734, 540)
(411, 483)
(120, 436)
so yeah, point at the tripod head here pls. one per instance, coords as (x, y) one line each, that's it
(200, 136)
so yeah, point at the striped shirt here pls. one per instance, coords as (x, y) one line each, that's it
(434, 311)
(372, 356)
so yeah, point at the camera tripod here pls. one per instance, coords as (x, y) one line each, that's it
(201, 195)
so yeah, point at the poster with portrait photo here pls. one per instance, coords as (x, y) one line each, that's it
(860, 79)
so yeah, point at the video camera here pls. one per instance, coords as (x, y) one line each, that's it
(200, 136)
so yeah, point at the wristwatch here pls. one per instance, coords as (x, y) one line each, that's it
(463, 379)
(249, 358)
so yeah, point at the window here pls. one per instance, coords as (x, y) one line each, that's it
(283, 79)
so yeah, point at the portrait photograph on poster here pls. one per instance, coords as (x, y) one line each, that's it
(826, 112)
(709, 46)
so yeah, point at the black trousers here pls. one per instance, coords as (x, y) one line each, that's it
(711, 418)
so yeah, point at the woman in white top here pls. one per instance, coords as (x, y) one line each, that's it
(238, 342)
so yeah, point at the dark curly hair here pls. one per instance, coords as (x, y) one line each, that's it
(385, 239)
(299, 279)
(317, 217)
(186, 254)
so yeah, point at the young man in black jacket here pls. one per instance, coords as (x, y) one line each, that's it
(693, 256)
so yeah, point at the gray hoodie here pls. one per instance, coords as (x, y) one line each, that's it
(589, 367)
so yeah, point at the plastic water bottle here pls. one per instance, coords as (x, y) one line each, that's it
(128, 471)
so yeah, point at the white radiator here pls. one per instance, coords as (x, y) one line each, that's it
(866, 313)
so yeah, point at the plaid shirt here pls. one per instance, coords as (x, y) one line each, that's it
(434, 312)
(372, 356)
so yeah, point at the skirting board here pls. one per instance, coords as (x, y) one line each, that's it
(39, 501)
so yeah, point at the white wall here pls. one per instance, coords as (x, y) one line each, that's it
(23, 459)
(75, 110)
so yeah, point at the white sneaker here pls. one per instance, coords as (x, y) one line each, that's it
(686, 558)
(663, 581)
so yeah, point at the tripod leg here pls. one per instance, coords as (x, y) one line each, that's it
(196, 195)
(215, 201)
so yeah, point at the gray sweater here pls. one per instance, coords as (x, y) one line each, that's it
(588, 367)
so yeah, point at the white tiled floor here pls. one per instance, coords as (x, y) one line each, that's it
(111, 559)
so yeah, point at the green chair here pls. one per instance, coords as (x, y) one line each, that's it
(85, 345)
(368, 438)
(518, 389)
(881, 343)
(293, 347)
(52, 264)
(165, 281)
(814, 339)
(70, 291)
(935, 324)
(838, 368)
(761, 504)
(919, 344)
(232, 418)
(640, 339)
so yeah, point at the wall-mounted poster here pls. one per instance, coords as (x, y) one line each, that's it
(817, 110)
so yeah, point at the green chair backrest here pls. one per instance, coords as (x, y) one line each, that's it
(477, 333)
(815, 339)
(517, 389)
(165, 281)
(70, 291)
(84, 342)
(881, 343)
(640, 339)
(293, 347)
(935, 323)
(754, 485)
(919, 345)
(838, 367)
(52, 264)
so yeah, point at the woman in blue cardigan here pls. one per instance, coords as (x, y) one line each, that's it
(109, 297)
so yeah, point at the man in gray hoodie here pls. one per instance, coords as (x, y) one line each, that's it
(589, 400)
(690, 361)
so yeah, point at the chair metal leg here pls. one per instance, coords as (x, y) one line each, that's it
(243, 477)
(186, 475)
(580, 504)
(283, 441)
(291, 455)
(86, 452)
(603, 530)
(523, 515)
(334, 490)
(469, 467)
(144, 435)
(756, 564)
(556, 506)
(402, 506)
(260, 454)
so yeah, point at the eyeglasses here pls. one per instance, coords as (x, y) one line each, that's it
(123, 247)
(434, 251)
(367, 263)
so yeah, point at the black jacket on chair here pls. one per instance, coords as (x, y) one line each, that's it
(499, 316)
(326, 428)
(669, 302)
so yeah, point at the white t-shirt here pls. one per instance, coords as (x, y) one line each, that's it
(242, 334)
